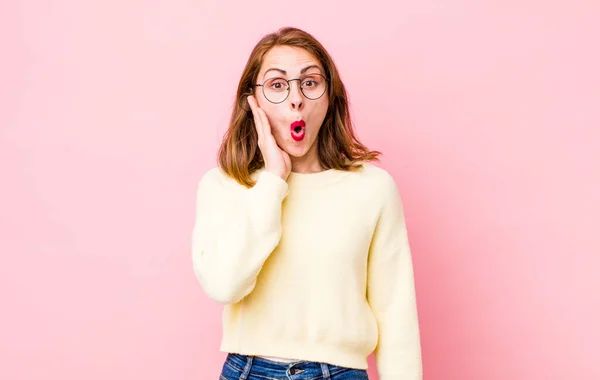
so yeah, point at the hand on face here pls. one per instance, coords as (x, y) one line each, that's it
(276, 160)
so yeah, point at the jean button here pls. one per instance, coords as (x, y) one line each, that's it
(292, 371)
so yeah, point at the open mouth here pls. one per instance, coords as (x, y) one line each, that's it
(297, 130)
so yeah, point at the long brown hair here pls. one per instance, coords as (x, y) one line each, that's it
(338, 146)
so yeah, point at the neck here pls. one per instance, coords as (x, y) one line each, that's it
(306, 164)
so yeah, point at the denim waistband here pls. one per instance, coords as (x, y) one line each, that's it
(300, 369)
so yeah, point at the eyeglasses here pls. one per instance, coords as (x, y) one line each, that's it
(277, 90)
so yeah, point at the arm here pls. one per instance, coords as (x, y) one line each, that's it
(234, 233)
(391, 293)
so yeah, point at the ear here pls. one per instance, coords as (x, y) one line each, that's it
(244, 100)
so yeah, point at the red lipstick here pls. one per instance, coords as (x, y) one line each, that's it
(297, 130)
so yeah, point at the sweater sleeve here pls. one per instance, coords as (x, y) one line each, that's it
(235, 231)
(391, 292)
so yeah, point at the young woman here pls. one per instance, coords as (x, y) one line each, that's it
(299, 235)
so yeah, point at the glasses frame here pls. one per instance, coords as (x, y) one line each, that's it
(290, 86)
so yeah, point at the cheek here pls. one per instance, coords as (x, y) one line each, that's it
(275, 118)
(322, 109)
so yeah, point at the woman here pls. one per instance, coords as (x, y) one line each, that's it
(299, 235)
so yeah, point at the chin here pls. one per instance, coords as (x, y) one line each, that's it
(297, 153)
(297, 150)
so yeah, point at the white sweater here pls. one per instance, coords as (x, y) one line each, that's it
(314, 268)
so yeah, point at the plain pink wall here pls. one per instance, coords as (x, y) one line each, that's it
(488, 115)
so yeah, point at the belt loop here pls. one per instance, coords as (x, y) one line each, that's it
(246, 372)
(325, 370)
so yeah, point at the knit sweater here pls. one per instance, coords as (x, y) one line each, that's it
(316, 267)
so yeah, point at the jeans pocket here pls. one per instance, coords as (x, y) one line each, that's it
(230, 372)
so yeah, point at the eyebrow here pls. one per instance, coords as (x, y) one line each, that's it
(285, 72)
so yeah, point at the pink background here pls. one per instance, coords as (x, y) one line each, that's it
(110, 111)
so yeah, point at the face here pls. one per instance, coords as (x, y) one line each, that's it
(289, 63)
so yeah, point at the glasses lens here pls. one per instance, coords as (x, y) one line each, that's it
(313, 86)
(276, 90)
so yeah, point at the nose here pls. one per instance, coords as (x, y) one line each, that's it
(296, 97)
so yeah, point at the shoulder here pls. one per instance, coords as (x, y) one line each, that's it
(374, 171)
(211, 175)
(383, 190)
(214, 179)
(379, 186)
(376, 177)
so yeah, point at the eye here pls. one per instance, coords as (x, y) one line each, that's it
(277, 84)
(311, 81)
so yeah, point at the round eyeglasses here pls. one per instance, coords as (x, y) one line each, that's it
(312, 86)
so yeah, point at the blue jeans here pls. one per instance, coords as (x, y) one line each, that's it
(242, 367)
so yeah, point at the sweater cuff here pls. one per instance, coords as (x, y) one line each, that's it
(268, 182)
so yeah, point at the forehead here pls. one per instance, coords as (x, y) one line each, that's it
(288, 58)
